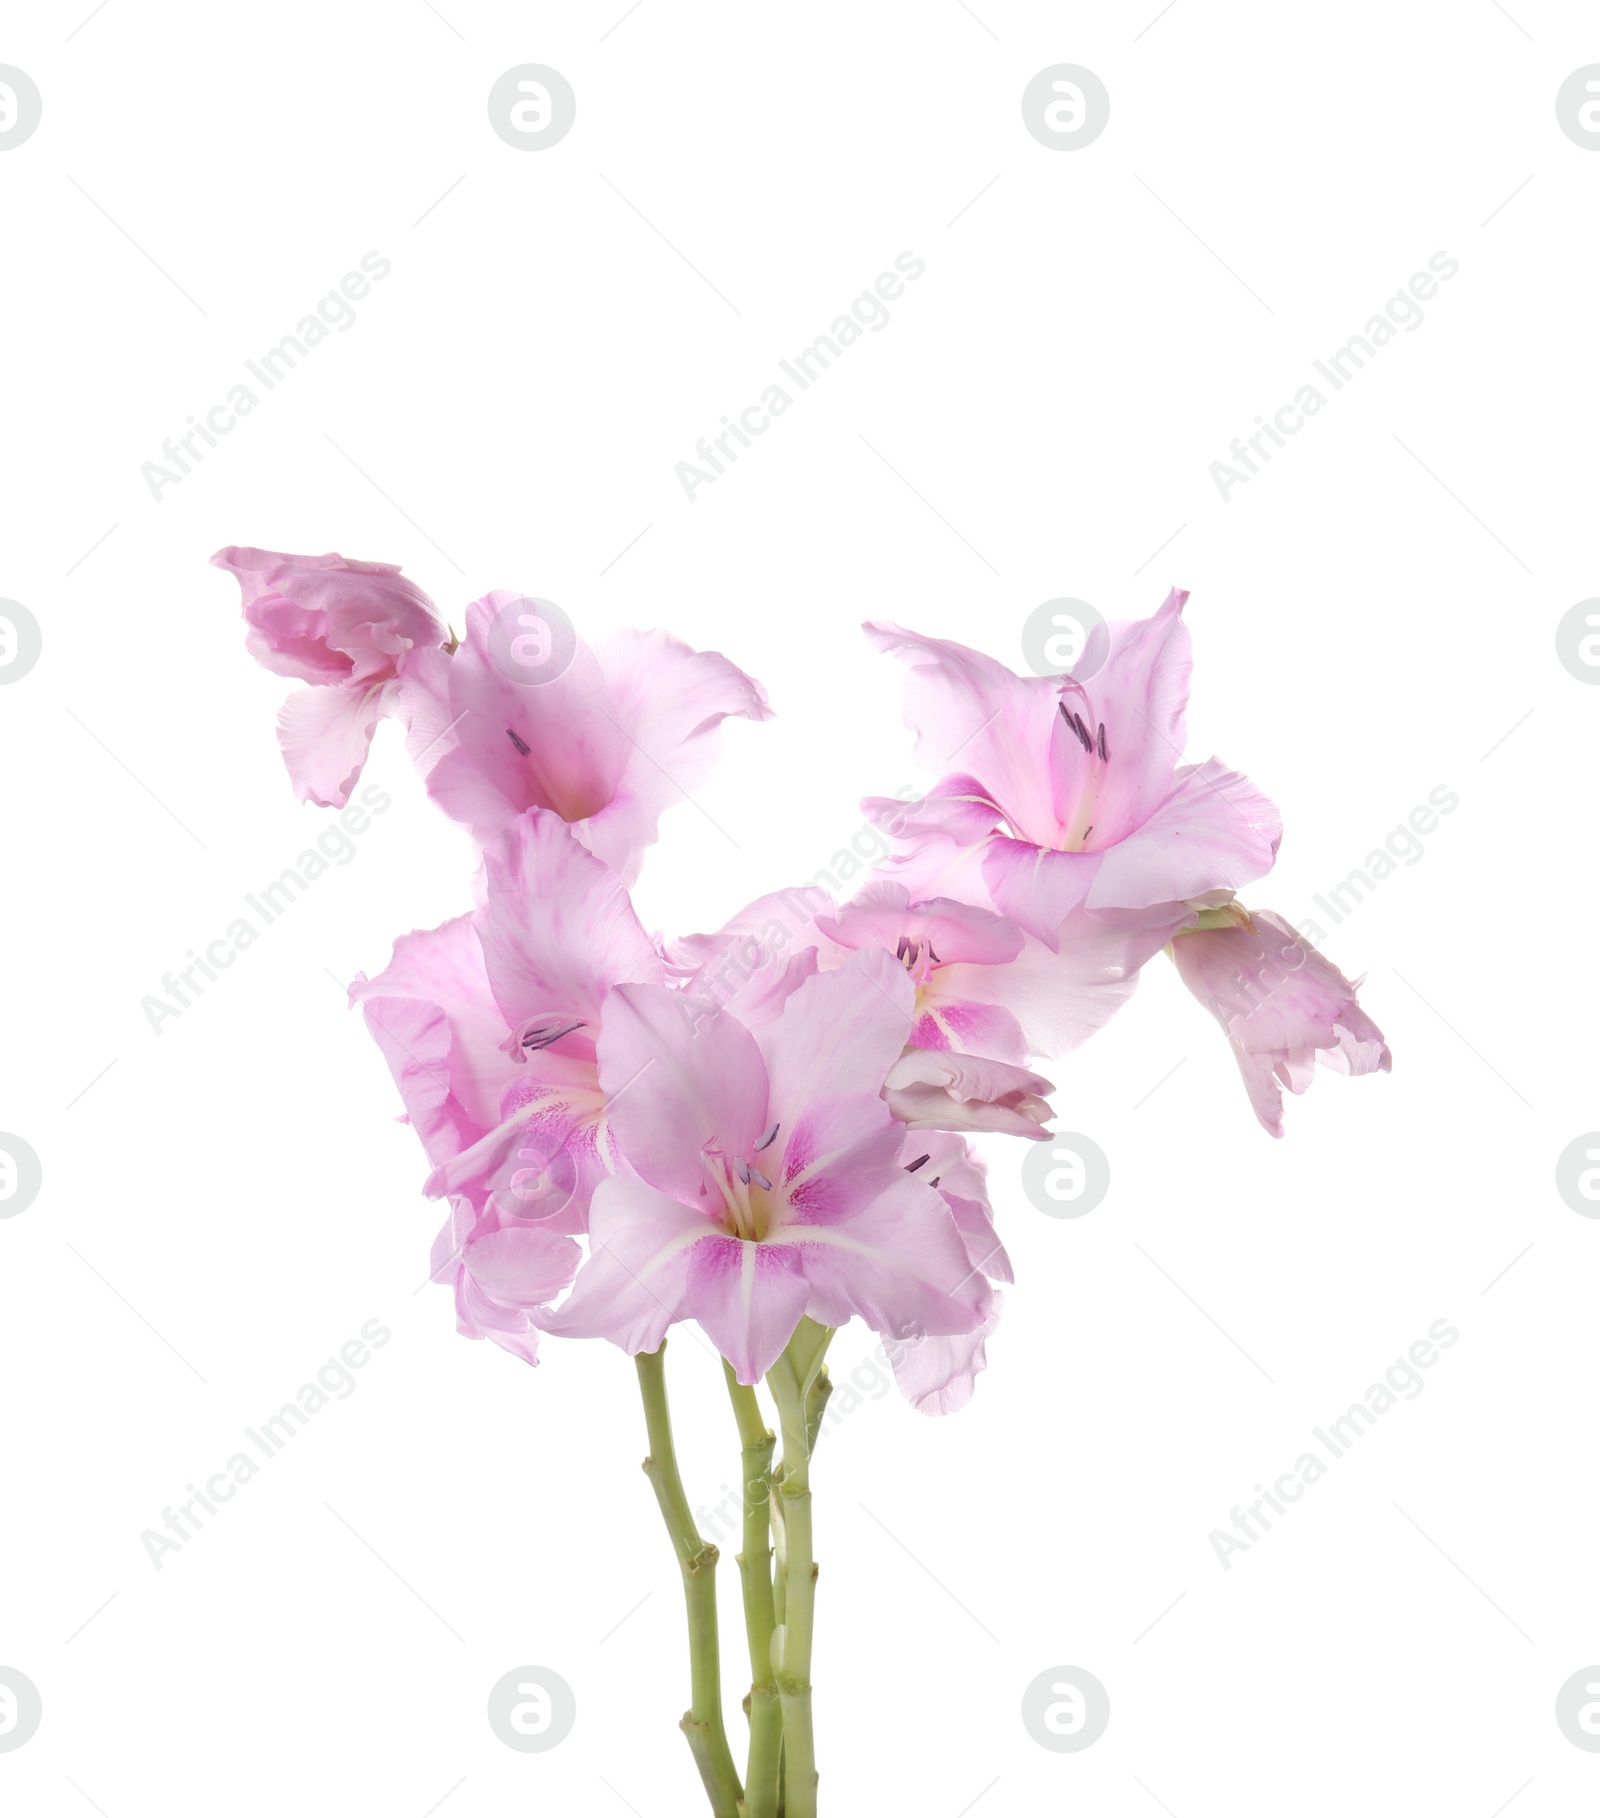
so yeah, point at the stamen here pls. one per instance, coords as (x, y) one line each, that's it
(934, 1182)
(742, 1168)
(912, 1167)
(768, 1140)
(542, 1038)
(537, 1032)
(1102, 742)
(520, 745)
(1077, 726)
(760, 1179)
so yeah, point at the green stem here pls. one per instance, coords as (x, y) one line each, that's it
(791, 1380)
(755, 1573)
(816, 1405)
(697, 1561)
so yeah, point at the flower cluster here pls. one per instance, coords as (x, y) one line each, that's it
(770, 1123)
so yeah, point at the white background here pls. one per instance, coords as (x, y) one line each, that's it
(228, 1204)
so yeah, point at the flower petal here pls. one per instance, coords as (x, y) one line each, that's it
(839, 1034)
(963, 704)
(670, 700)
(748, 1298)
(1215, 830)
(938, 1375)
(1036, 886)
(557, 927)
(557, 746)
(899, 1263)
(1061, 998)
(634, 1284)
(326, 734)
(680, 1077)
(938, 1090)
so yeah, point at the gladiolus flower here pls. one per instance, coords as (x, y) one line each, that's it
(503, 1269)
(1282, 1006)
(607, 743)
(1070, 793)
(489, 1022)
(365, 638)
(767, 1182)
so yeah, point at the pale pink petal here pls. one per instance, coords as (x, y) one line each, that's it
(938, 1375)
(839, 1034)
(434, 1019)
(635, 1283)
(946, 1019)
(945, 1091)
(1037, 887)
(670, 700)
(836, 1157)
(1139, 695)
(557, 927)
(748, 1298)
(327, 618)
(558, 745)
(522, 1266)
(681, 1078)
(899, 1264)
(962, 704)
(1061, 998)
(424, 706)
(1215, 829)
(882, 914)
(325, 734)
(1282, 1005)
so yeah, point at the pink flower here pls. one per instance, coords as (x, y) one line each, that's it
(504, 1270)
(946, 947)
(759, 959)
(938, 1375)
(1282, 1006)
(933, 1089)
(607, 742)
(768, 1181)
(349, 629)
(489, 1023)
(1070, 794)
